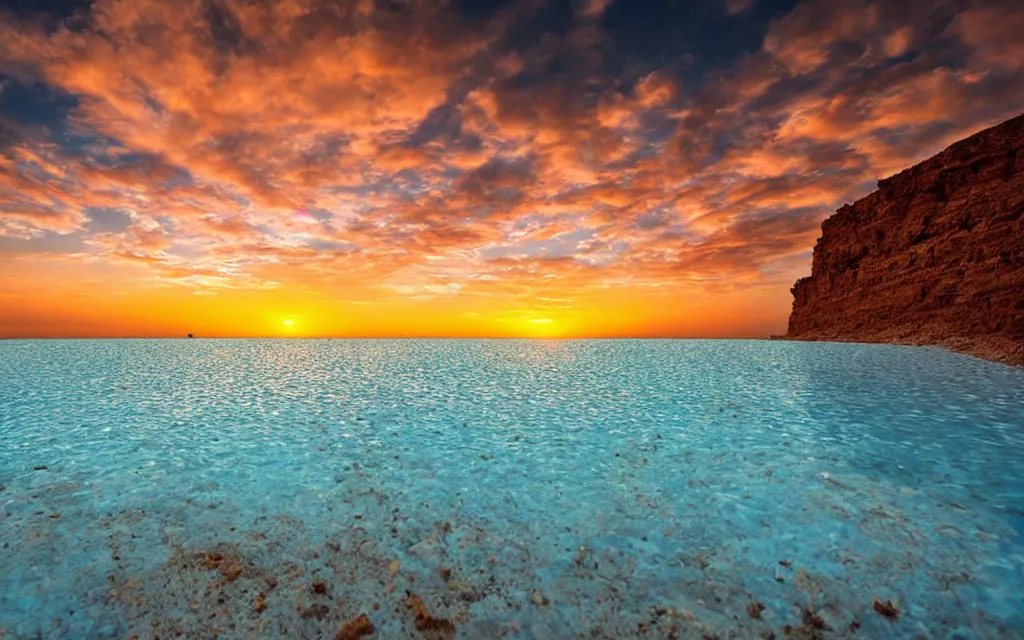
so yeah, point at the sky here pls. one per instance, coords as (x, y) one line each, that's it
(534, 168)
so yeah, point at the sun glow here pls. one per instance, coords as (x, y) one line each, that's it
(541, 328)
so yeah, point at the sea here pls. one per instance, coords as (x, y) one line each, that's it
(546, 489)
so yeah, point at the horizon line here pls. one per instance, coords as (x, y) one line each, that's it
(268, 337)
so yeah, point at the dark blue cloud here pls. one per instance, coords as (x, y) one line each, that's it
(691, 37)
(33, 104)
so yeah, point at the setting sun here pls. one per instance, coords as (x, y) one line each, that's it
(541, 328)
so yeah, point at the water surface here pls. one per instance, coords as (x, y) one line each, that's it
(521, 489)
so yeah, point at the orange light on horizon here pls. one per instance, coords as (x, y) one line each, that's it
(115, 302)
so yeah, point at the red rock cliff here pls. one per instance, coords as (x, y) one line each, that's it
(934, 256)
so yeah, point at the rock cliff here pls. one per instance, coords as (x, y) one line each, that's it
(934, 256)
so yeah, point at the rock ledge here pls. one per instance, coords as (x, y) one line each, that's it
(935, 256)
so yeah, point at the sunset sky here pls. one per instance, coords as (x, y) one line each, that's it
(532, 168)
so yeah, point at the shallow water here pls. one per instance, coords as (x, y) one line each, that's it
(522, 489)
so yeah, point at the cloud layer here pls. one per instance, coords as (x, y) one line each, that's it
(522, 155)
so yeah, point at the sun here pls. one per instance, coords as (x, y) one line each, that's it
(540, 327)
(289, 326)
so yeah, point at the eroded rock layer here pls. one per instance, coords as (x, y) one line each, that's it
(934, 256)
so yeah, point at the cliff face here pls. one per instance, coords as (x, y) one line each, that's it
(934, 256)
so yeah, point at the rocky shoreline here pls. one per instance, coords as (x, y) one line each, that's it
(987, 347)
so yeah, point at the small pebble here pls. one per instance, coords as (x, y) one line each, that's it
(887, 609)
(754, 610)
(355, 628)
(231, 571)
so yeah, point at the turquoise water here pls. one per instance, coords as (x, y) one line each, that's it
(520, 489)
